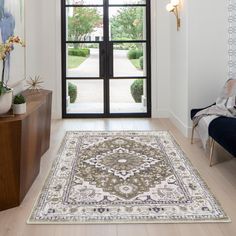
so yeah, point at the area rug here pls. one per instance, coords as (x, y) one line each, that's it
(124, 177)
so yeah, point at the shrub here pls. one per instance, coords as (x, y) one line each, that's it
(137, 90)
(141, 62)
(72, 91)
(135, 54)
(124, 46)
(19, 99)
(79, 52)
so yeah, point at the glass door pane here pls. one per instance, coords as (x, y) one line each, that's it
(84, 2)
(85, 97)
(128, 96)
(127, 23)
(83, 60)
(129, 59)
(123, 2)
(84, 23)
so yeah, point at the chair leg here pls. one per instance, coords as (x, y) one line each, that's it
(193, 128)
(212, 146)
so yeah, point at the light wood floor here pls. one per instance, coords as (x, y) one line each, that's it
(221, 179)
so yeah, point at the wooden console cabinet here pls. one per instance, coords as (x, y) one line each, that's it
(23, 141)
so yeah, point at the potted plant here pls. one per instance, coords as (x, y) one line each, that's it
(6, 93)
(19, 105)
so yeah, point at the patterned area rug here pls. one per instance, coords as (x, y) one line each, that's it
(124, 177)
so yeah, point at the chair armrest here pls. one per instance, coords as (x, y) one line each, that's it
(195, 111)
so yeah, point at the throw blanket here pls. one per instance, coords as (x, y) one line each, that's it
(225, 106)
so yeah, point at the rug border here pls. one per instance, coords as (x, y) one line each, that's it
(66, 133)
(185, 156)
(129, 223)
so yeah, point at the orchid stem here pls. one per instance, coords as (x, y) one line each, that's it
(3, 71)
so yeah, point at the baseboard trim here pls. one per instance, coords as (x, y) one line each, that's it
(185, 130)
(161, 114)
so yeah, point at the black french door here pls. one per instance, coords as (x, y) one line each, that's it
(106, 58)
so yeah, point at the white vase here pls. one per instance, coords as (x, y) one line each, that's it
(6, 102)
(19, 109)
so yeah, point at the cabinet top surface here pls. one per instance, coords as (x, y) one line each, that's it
(34, 99)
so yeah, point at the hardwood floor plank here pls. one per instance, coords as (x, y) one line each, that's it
(102, 230)
(163, 230)
(132, 230)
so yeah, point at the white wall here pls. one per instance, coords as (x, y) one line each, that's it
(160, 59)
(179, 71)
(50, 55)
(32, 39)
(33, 18)
(198, 58)
(208, 50)
(43, 55)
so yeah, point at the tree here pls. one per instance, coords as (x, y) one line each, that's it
(83, 22)
(128, 23)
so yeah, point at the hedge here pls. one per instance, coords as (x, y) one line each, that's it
(141, 62)
(79, 52)
(135, 54)
(137, 90)
(72, 91)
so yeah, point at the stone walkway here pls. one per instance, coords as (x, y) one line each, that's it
(122, 65)
(90, 67)
(92, 90)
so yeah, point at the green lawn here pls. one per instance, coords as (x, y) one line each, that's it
(75, 61)
(136, 63)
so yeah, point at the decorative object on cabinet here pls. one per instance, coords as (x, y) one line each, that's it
(19, 105)
(6, 92)
(34, 83)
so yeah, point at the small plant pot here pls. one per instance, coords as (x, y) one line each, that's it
(19, 109)
(6, 102)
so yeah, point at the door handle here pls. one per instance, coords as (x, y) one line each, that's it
(102, 61)
(110, 60)
(103, 51)
(106, 60)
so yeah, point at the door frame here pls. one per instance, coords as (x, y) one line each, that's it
(105, 79)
